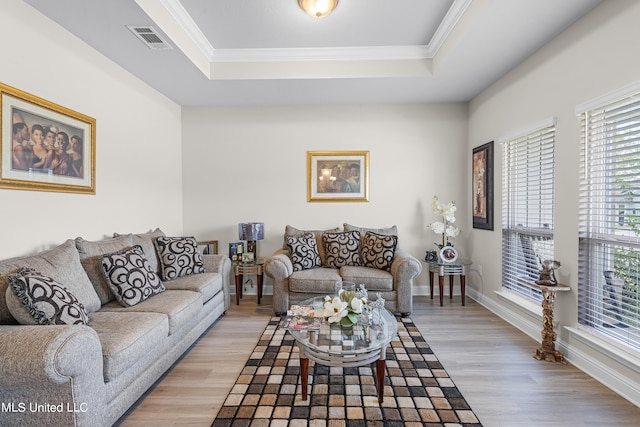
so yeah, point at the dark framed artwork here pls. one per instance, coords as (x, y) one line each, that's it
(338, 176)
(482, 176)
(44, 146)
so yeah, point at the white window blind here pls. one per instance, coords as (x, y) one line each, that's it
(609, 236)
(527, 207)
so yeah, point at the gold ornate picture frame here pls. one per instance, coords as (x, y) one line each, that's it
(44, 146)
(338, 176)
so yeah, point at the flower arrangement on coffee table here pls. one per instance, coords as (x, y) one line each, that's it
(346, 307)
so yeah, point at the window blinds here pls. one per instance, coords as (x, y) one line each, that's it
(527, 207)
(609, 227)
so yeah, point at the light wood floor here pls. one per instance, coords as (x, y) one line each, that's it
(489, 360)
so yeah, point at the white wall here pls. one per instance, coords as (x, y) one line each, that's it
(138, 167)
(250, 164)
(596, 55)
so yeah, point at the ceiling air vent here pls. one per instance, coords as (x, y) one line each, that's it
(150, 37)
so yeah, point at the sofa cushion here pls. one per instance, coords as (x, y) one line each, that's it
(43, 300)
(208, 284)
(130, 277)
(146, 240)
(179, 306)
(385, 231)
(91, 253)
(374, 280)
(292, 231)
(179, 257)
(127, 337)
(342, 248)
(303, 251)
(316, 281)
(62, 264)
(378, 250)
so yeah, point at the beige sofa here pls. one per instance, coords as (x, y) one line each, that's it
(342, 257)
(90, 374)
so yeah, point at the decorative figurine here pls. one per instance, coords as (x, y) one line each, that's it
(547, 274)
(431, 256)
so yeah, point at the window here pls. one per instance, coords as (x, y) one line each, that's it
(609, 238)
(527, 206)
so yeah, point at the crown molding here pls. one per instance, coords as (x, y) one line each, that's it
(367, 53)
(184, 27)
(188, 25)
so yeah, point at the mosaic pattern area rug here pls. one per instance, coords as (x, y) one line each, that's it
(417, 392)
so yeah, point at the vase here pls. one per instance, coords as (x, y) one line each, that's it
(347, 330)
(337, 288)
(349, 287)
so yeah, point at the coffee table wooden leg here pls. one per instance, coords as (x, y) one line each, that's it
(380, 370)
(304, 377)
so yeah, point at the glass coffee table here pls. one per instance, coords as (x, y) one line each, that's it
(345, 347)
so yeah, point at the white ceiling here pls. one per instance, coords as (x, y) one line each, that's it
(269, 52)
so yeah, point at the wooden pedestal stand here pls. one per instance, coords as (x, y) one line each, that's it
(548, 350)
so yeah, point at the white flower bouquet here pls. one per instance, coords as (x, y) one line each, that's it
(448, 214)
(344, 308)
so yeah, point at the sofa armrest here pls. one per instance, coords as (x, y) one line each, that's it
(279, 267)
(220, 264)
(61, 364)
(47, 354)
(405, 268)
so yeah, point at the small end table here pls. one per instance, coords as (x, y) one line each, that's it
(250, 268)
(456, 268)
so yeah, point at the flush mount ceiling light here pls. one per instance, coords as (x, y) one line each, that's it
(318, 8)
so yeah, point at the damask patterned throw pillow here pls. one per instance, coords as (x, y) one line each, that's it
(378, 250)
(342, 249)
(303, 251)
(130, 276)
(179, 257)
(46, 300)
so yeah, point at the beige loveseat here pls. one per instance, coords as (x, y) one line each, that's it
(355, 254)
(90, 374)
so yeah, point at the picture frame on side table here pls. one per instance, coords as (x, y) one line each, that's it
(448, 254)
(248, 257)
(482, 185)
(235, 251)
(338, 176)
(45, 146)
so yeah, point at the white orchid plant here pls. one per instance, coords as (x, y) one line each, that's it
(448, 214)
(344, 308)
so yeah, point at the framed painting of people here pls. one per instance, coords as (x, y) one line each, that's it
(338, 176)
(44, 146)
(482, 186)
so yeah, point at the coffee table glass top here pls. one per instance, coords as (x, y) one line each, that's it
(338, 340)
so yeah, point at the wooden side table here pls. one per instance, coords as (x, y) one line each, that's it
(249, 268)
(457, 268)
(548, 350)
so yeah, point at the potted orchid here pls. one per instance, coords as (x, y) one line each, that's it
(445, 227)
(344, 308)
